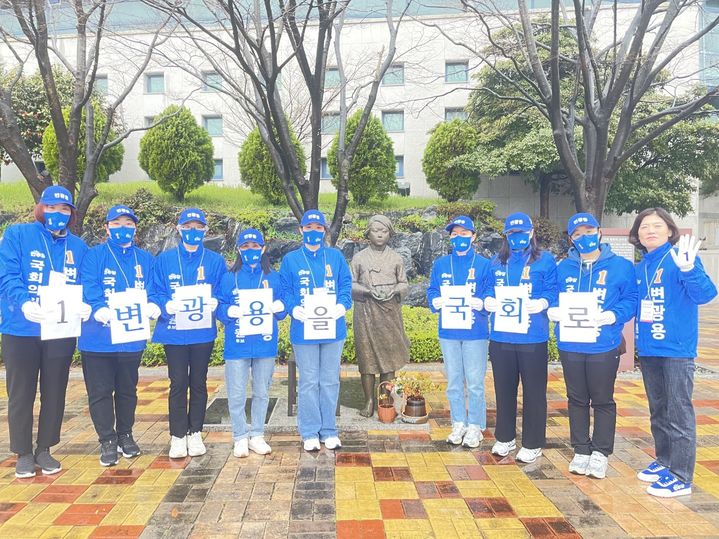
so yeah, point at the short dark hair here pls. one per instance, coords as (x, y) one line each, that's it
(664, 216)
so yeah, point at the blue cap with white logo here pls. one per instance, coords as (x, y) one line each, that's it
(518, 221)
(118, 211)
(251, 234)
(581, 219)
(463, 221)
(313, 216)
(192, 214)
(56, 194)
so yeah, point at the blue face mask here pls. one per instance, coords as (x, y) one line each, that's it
(56, 221)
(251, 256)
(120, 235)
(587, 243)
(192, 236)
(518, 241)
(461, 243)
(313, 237)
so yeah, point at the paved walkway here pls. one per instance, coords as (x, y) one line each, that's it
(382, 483)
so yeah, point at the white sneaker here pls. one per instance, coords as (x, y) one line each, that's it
(333, 442)
(503, 448)
(178, 447)
(597, 465)
(241, 450)
(458, 432)
(579, 464)
(473, 436)
(259, 446)
(528, 455)
(313, 444)
(195, 445)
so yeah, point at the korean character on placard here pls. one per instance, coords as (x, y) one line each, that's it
(658, 331)
(658, 312)
(578, 318)
(257, 312)
(38, 265)
(320, 318)
(71, 273)
(457, 306)
(195, 307)
(511, 308)
(657, 293)
(34, 277)
(130, 314)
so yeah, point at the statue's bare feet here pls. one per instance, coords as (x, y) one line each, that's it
(368, 410)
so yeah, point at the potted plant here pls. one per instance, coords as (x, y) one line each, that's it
(413, 386)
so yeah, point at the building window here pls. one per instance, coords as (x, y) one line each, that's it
(325, 170)
(393, 121)
(332, 77)
(219, 172)
(399, 166)
(454, 114)
(101, 84)
(213, 125)
(155, 83)
(330, 123)
(149, 120)
(394, 75)
(211, 81)
(456, 72)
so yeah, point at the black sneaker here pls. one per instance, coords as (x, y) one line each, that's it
(108, 453)
(127, 445)
(25, 466)
(46, 461)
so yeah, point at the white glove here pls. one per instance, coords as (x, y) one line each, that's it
(339, 311)
(535, 306)
(606, 318)
(84, 312)
(687, 247)
(153, 311)
(212, 304)
(234, 311)
(476, 303)
(277, 306)
(173, 306)
(33, 312)
(438, 303)
(554, 314)
(103, 315)
(298, 313)
(491, 305)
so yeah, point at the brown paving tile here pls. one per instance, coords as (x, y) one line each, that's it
(447, 489)
(501, 507)
(537, 527)
(485, 457)
(458, 473)
(476, 473)
(382, 473)
(562, 527)
(163, 461)
(416, 436)
(414, 509)
(480, 507)
(401, 473)
(60, 494)
(391, 509)
(427, 489)
(110, 532)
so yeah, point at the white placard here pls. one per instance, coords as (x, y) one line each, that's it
(196, 312)
(456, 311)
(256, 313)
(512, 315)
(578, 316)
(129, 322)
(320, 323)
(61, 304)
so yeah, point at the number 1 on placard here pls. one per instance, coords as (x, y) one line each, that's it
(62, 320)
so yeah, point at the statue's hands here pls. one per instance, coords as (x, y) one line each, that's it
(381, 295)
(361, 292)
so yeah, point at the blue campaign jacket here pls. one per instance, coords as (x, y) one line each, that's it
(201, 267)
(676, 295)
(300, 270)
(251, 346)
(612, 277)
(540, 277)
(101, 277)
(29, 253)
(455, 270)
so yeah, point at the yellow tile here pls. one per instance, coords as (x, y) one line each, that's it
(50, 513)
(20, 493)
(478, 489)
(102, 494)
(457, 458)
(504, 534)
(345, 491)
(388, 459)
(56, 532)
(499, 524)
(118, 514)
(353, 473)
(429, 474)
(140, 514)
(351, 510)
(28, 514)
(396, 490)
(21, 530)
(364, 490)
(448, 508)
(415, 525)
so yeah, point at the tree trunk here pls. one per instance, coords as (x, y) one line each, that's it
(545, 184)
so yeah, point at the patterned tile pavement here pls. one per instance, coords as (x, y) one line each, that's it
(383, 483)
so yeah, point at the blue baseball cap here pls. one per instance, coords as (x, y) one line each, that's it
(581, 219)
(192, 214)
(118, 211)
(518, 221)
(463, 221)
(251, 234)
(313, 216)
(56, 194)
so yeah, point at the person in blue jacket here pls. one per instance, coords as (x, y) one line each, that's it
(111, 370)
(187, 351)
(245, 353)
(521, 356)
(464, 351)
(672, 284)
(316, 269)
(590, 369)
(30, 253)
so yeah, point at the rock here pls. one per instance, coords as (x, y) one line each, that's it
(159, 238)
(433, 246)
(276, 249)
(409, 267)
(417, 295)
(288, 225)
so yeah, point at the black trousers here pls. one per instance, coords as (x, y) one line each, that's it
(590, 382)
(111, 383)
(187, 369)
(27, 359)
(510, 364)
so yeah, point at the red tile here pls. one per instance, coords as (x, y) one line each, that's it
(11, 507)
(485, 457)
(391, 509)
(561, 527)
(414, 509)
(537, 527)
(89, 509)
(79, 519)
(501, 507)
(476, 473)
(344, 459)
(38, 479)
(458, 473)
(348, 529)
(9, 462)
(372, 529)
(480, 508)
(110, 532)
(706, 420)
(417, 436)
(114, 480)
(447, 489)
(401, 473)
(427, 489)
(382, 473)
(60, 494)
(166, 462)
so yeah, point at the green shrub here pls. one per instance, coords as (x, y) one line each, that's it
(548, 233)
(481, 212)
(416, 223)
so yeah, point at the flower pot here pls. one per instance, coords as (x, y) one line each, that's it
(385, 405)
(415, 410)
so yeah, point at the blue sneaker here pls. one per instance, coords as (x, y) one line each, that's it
(652, 473)
(668, 486)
